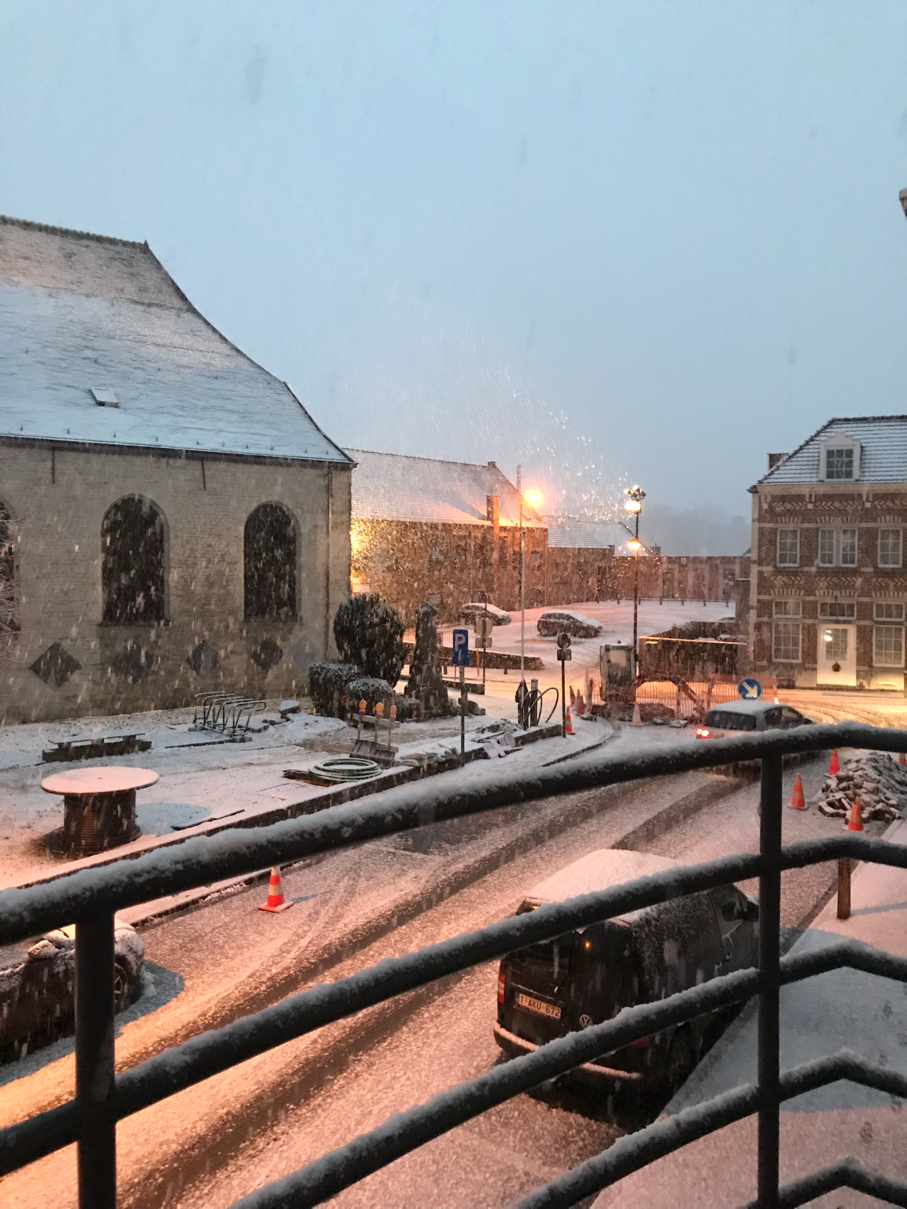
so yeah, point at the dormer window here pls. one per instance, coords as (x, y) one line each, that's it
(840, 460)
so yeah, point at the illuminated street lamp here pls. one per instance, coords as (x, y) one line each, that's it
(635, 497)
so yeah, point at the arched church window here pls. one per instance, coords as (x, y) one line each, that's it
(269, 564)
(132, 562)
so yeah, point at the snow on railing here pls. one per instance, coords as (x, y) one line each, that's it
(90, 897)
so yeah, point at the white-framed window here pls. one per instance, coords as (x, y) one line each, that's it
(788, 548)
(888, 610)
(890, 547)
(787, 608)
(888, 645)
(839, 463)
(837, 610)
(786, 642)
(837, 548)
(839, 460)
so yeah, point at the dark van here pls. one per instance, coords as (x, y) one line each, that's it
(584, 978)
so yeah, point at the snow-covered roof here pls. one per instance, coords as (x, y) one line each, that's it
(396, 487)
(86, 317)
(883, 452)
(598, 871)
(575, 533)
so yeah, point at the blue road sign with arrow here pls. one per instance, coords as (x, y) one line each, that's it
(749, 688)
(460, 648)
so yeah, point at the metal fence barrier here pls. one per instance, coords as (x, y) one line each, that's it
(90, 897)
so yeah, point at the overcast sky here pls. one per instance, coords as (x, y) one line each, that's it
(617, 241)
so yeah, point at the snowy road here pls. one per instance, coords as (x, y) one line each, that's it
(263, 1119)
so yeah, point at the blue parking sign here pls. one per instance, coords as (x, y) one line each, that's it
(460, 648)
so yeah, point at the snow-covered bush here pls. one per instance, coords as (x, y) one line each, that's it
(328, 685)
(369, 633)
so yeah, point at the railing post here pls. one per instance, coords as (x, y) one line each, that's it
(95, 1061)
(770, 980)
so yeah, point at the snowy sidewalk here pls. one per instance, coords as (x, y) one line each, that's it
(206, 789)
(844, 1009)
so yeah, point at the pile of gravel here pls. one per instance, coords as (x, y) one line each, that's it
(876, 779)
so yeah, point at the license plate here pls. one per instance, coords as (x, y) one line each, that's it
(539, 1007)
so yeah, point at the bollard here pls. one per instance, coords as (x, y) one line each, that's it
(844, 888)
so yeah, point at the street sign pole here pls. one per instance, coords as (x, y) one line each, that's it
(462, 710)
(563, 698)
(460, 658)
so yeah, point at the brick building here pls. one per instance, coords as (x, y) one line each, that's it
(829, 585)
(178, 521)
(589, 560)
(446, 532)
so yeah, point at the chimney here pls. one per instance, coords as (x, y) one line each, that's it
(774, 459)
(493, 465)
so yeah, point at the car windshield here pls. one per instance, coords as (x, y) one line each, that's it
(725, 719)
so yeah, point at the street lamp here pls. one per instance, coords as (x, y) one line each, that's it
(635, 497)
(533, 498)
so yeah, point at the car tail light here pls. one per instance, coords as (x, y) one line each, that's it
(641, 1043)
(702, 732)
(501, 984)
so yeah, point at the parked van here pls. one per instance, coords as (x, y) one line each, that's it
(586, 977)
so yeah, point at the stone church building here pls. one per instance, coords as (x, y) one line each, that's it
(174, 521)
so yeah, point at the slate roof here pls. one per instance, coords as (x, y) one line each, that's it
(883, 454)
(82, 313)
(396, 487)
(575, 533)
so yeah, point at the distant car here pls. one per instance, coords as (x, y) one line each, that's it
(470, 613)
(734, 716)
(565, 621)
(37, 999)
(548, 990)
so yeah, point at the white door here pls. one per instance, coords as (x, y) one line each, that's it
(836, 654)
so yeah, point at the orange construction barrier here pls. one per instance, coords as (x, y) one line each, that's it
(276, 900)
(833, 766)
(855, 822)
(637, 716)
(798, 802)
(568, 723)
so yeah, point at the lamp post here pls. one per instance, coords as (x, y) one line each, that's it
(635, 497)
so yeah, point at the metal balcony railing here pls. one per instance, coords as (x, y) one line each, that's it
(91, 897)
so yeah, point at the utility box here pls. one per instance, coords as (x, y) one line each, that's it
(616, 666)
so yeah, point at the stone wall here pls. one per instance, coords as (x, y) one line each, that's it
(66, 662)
(408, 562)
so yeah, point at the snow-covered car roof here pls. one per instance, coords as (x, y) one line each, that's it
(478, 604)
(596, 871)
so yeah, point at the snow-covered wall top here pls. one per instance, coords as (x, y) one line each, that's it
(569, 532)
(83, 313)
(394, 487)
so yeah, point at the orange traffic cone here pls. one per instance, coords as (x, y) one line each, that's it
(798, 802)
(572, 696)
(637, 716)
(855, 822)
(580, 704)
(902, 759)
(568, 723)
(276, 900)
(833, 766)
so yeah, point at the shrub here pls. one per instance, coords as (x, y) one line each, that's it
(328, 687)
(369, 634)
(371, 690)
